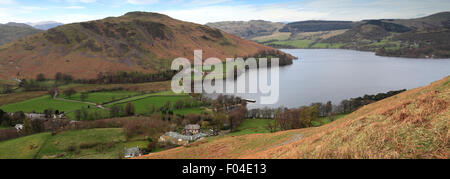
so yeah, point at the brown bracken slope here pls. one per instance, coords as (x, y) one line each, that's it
(413, 124)
(136, 41)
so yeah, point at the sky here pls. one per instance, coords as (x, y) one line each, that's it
(203, 11)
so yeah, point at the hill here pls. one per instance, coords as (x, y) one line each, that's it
(14, 31)
(136, 41)
(248, 29)
(424, 37)
(413, 124)
(315, 26)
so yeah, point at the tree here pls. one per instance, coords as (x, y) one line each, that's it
(7, 89)
(53, 92)
(17, 118)
(116, 110)
(218, 121)
(69, 92)
(129, 109)
(58, 76)
(84, 96)
(329, 107)
(27, 127)
(40, 77)
(48, 113)
(179, 104)
(84, 113)
(78, 115)
(236, 116)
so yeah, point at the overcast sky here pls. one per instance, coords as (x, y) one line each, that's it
(203, 11)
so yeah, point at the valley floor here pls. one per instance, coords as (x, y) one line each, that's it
(413, 124)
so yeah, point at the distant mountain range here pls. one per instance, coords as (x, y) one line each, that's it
(425, 37)
(45, 25)
(14, 31)
(136, 41)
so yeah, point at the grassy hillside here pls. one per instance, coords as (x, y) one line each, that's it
(42, 103)
(106, 143)
(136, 41)
(425, 37)
(14, 31)
(248, 29)
(316, 26)
(24, 147)
(413, 124)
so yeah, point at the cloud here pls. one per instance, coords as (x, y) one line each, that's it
(72, 7)
(81, 1)
(6, 2)
(140, 2)
(207, 14)
(353, 10)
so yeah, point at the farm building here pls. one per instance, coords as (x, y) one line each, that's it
(191, 129)
(132, 152)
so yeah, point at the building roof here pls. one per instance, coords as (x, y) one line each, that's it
(132, 151)
(192, 127)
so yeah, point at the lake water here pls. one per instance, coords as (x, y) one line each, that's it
(334, 75)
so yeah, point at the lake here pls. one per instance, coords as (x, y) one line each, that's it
(321, 75)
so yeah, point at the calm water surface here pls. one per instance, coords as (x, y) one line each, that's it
(334, 75)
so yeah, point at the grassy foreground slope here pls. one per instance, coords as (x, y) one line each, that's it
(413, 124)
(106, 143)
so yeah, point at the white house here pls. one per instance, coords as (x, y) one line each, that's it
(19, 127)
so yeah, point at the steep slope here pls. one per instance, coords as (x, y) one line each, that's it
(425, 37)
(14, 31)
(137, 41)
(248, 29)
(413, 124)
(315, 26)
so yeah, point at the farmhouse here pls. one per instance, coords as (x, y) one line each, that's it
(179, 139)
(191, 129)
(132, 152)
(19, 127)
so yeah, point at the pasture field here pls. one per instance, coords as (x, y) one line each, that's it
(325, 120)
(327, 45)
(106, 143)
(42, 103)
(142, 106)
(280, 36)
(21, 96)
(294, 43)
(23, 148)
(252, 126)
(102, 97)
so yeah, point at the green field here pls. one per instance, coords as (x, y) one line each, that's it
(293, 43)
(102, 97)
(24, 147)
(135, 98)
(252, 126)
(327, 45)
(42, 103)
(142, 103)
(142, 106)
(281, 36)
(103, 143)
(326, 120)
(102, 112)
